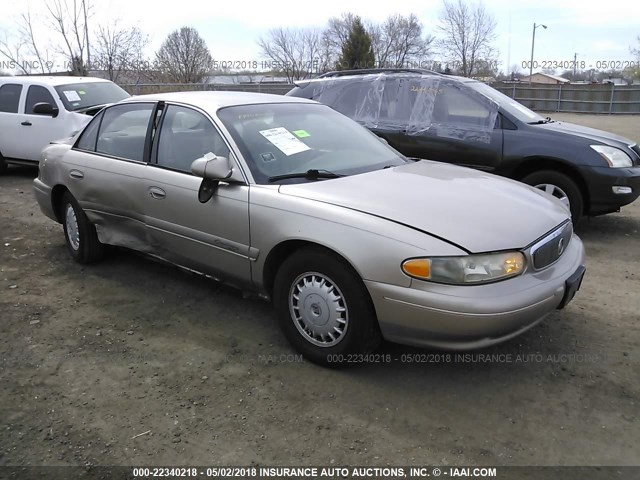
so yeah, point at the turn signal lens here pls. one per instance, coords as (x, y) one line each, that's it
(418, 267)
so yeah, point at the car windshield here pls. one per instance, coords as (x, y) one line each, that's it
(297, 138)
(508, 104)
(78, 96)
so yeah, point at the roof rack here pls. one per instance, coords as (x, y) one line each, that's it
(367, 71)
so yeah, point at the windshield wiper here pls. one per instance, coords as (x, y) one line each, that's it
(539, 122)
(309, 174)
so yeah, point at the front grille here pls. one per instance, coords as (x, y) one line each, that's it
(550, 249)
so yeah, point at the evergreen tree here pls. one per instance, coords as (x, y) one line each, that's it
(356, 50)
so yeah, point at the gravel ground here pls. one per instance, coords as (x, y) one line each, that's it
(133, 362)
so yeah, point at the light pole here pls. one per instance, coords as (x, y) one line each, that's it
(533, 43)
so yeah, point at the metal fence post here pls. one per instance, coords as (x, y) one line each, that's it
(559, 96)
(613, 87)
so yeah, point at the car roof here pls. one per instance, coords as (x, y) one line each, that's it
(369, 73)
(52, 80)
(215, 100)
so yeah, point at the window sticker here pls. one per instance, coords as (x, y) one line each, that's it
(283, 140)
(82, 92)
(301, 133)
(72, 95)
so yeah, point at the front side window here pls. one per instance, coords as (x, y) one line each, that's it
(185, 136)
(123, 131)
(289, 138)
(10, 97)
(37, 94)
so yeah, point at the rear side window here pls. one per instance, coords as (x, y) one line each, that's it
(37, 94)
(10, 97)
(89, 136)
(123, 131)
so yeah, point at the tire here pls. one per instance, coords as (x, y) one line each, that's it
(79, 233)
(3, 165)
(559, 185)
(319, 275)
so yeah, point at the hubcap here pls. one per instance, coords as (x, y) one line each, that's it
(73, 232)
(555, 191)
(318, 309)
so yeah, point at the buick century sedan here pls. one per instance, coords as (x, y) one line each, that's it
(291, 200)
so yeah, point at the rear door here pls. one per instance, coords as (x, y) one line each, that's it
(107, 168)
(210, 237)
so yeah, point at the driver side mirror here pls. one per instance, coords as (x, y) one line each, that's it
(45, 108)
(213, 169)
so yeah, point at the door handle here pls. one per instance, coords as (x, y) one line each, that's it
(157, 193)
(26, 123)
(76, 174)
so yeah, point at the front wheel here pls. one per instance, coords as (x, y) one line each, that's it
(324, 308)
(79, 233)
(560, 186)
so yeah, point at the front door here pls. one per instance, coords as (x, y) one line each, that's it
(212, 237)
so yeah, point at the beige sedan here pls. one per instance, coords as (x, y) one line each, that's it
(289, 199)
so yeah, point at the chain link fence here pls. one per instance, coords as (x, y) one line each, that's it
(146, 88)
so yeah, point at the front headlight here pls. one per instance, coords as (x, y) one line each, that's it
(614, 156)
(468, 270)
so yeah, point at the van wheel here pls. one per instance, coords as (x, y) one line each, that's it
(324, 309)
(560, 186)
(3, 165)
(79, 233)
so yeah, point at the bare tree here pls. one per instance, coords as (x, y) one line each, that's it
(184, 56)
(24, 51)
(297, 53)
(120, 49)
(399, 42)
(70, 18)
(466, 34)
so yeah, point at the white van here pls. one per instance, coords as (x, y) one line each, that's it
(36, 110)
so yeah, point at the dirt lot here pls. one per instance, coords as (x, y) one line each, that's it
(133, 362)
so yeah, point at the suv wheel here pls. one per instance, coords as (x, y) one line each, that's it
(3, 165)
(560, 186)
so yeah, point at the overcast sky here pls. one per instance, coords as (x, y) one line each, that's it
(596, 31)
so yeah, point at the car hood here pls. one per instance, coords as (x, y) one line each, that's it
(599, 136)
(474, 210)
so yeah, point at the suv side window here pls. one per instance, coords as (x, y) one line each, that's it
(10, 97)
(89, 135)
(123, 131)
(185, 136)
(37, 94)
(453, 105)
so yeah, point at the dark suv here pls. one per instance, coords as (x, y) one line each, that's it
(458, 120)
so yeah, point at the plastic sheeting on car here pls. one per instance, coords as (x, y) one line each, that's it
(412, 103)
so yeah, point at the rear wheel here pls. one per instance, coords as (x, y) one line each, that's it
(560, 186)
(79, 233)
(324, 308)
